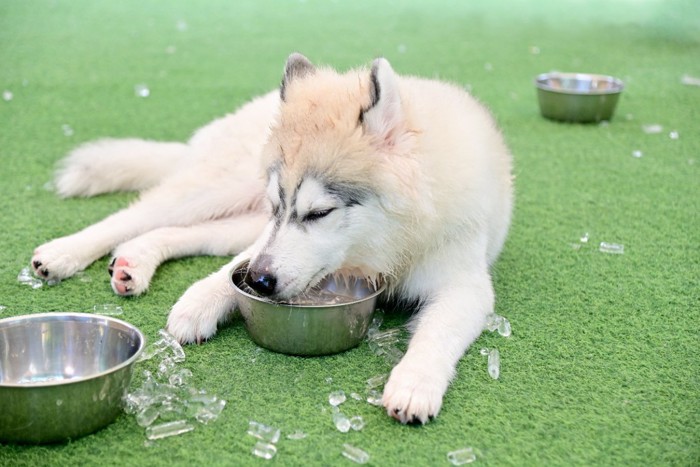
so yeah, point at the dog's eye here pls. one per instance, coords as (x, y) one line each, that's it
(318, 214)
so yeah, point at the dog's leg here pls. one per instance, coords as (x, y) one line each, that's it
(135, 261)
(109, 165)
(204, 305)
(452, 317)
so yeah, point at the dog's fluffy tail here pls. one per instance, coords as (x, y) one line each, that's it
(109, 165)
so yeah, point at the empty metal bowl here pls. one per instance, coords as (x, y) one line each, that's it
(577, 97)
(338, 323)
(63, 375)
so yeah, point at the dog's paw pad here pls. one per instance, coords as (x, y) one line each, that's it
(51, 262)
(127, 279)
(412, 397)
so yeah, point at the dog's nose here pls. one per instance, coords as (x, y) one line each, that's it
(263, 283)
(260, 278)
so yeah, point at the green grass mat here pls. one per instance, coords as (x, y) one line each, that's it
(602, 367)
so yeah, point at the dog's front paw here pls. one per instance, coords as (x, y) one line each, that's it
(187, 325)
(56, 260)
(129, 277)
(414, 392)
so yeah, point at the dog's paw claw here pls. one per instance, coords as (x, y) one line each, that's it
(413, 396)
(126, 279)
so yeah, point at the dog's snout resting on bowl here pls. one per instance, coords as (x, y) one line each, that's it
(367, 173)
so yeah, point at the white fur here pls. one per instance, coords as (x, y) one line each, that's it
(429, 169)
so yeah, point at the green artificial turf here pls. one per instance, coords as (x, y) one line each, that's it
(602, 367)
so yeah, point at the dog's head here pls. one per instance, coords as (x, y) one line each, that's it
(341, 143)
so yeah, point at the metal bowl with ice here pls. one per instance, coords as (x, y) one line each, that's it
(577, 97)
(331, 318)
(63, 375)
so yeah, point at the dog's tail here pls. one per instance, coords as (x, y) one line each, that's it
(109, 165)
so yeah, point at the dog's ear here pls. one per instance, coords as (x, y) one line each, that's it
(384, 114)
(297, 66)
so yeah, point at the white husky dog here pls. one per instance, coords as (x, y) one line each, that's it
(366, 172)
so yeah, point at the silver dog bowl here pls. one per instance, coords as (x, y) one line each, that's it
(577, 97)
(309, 329)
(63, 375)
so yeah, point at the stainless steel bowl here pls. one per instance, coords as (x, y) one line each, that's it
(63, 375)
(577, 97)
(309, 329)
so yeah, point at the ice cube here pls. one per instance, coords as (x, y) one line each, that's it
(108, 309)
(494, 363)
(484, 351)
(374, 397)
(7, 95)
(461, 456)
(264, 450)
(637, 153)
(147, 416)
(296, 435)
(210, 412)
(614, 248)
(341, 422)
(336, 398)
(504, 328)
(355, 454)
(180, 377)
(652, 128)
(67, 130)
(377, 381)
(163, 430)
(493, 321)
(357, 422)
(690, 80)
(141, 90)
(584, 238)
(263, 432)
(674, 135)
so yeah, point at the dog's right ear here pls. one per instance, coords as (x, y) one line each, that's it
(297, 66)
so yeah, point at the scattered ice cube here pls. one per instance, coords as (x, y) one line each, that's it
(461, 456)
(690, 80)
(357, 423)
(2, 308)
(377, 381)
(637, 153)
(652, 128)
(329, 380)
(493, 321)
(534, 50)
(504, 327)
(374, 397)
(584, 238)
(494, 363)
(7, 95)
(26, 277)
(341, 422)
(67, 130)
(336, 398)
(180, 377)
(166, 366)
(296, 435)
(392, 355)
(355, 454)
(210, 412)
(614, 248)
(354, 395)
(141, 90)
(174, 346)
(109, 309)
(263, 432)
(484, 351)
(163, 430)
(674, 135)
(264, 450)
(53, 282)
(147, 416)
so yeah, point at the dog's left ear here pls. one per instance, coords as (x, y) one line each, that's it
(384, 115)
(297, 66)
